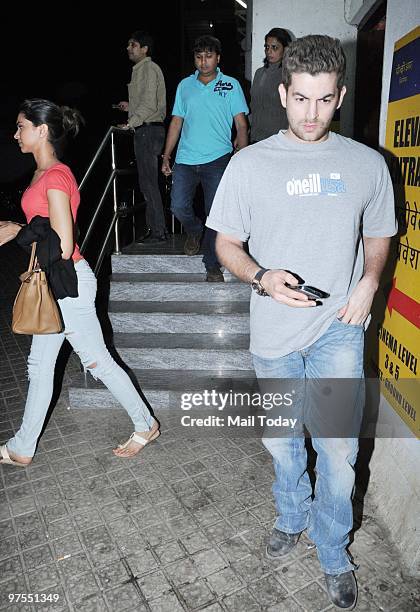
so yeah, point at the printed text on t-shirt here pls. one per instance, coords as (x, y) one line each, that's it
(314, 185)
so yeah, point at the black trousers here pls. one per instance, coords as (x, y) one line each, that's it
(148, 145)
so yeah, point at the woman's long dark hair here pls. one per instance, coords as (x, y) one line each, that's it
(283, 38)
(61, 120)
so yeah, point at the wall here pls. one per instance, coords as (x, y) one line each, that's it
(308, 17)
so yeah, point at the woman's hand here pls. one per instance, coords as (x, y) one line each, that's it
(8, 231)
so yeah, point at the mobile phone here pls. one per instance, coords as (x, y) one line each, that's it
(117, 106)
(313, 293)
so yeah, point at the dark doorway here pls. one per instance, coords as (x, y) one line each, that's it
(370, 51)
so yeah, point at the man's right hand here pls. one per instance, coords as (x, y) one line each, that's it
(166, 165)
(123, 106)
(274, 282)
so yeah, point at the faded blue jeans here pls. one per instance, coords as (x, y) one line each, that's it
(83, 331)
(328, 517)
(185, 179)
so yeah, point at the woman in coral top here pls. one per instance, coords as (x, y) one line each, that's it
(42, 127)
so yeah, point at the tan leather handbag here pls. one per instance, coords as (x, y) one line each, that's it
(35, 310)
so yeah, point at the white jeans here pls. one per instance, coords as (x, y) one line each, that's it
(83, 331)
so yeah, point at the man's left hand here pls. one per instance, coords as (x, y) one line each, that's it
(123, 126)
(358, 307)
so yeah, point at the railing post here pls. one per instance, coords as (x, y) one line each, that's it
(117, 250)
(133, 217)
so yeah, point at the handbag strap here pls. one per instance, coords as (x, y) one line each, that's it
(32, 259)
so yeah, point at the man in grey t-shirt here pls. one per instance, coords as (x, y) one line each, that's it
(314, 207)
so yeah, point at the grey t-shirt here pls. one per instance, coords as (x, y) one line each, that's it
(302, 207)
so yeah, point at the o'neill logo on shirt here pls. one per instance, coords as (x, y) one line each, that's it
(315, 184)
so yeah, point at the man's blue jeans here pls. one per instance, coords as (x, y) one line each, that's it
(185, 179)
(328, 518)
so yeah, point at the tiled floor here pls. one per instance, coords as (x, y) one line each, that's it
(180, 527)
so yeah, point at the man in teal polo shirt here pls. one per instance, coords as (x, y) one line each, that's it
(207, 103)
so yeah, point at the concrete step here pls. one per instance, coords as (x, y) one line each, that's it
(173, 246)
(186, 341)
(170, 277)
(177, 291)
(180, 317)
(185, 359)
(207, 308)
(161, 388)
(177, 323)
(173, 331)
(159, 264)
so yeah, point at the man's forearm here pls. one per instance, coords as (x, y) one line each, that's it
(241, 137)
(376, 252)
(234, 258)
(241, 125)
(172, 136)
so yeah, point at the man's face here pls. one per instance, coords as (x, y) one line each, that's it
(135, 51)
(206, 62)
(310, 104)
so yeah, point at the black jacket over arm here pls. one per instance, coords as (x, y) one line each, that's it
(60, 272)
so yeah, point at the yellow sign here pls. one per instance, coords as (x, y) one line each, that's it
(398, 332)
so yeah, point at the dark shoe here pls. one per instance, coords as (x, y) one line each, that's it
(144, 236)
(192, 244)
(156, 239)
(215, 275)
(342, 589)
(152, 239)
(281, 543)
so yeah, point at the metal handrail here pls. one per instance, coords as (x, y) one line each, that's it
(118, 213)
(97, 211)
(111, 181)
(96, 156)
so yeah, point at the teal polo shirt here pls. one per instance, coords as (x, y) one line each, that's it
(208, 112)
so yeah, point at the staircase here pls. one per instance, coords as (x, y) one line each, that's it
(173, 330)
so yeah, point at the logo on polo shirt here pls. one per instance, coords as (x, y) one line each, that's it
(315, 184)
(221, 87)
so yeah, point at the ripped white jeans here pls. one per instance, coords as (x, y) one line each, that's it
(83, 331)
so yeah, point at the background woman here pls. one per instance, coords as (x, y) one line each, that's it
(42, 127)
(267, 114)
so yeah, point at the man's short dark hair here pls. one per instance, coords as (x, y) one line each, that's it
(144, 39)
(314, 54)
(207, 43)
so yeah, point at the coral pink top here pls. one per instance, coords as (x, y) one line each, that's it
(35, 200)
